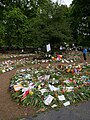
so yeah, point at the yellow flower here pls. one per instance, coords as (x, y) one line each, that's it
(31, 93)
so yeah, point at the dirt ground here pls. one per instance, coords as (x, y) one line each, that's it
(9, 110)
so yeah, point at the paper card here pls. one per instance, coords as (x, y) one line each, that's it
(10, 68)
(31, 85)
(71, 60)
(22, 70)
(66, 81)
(41, 78)
(27, 76)
(43, 61)
(62, 61)
(61, 97)
(47, 77)
(43, 91)
(69, 88)
(66, 103)
(48, 100)
(66, 61)
(18, 87)
(61, 48)
(52, 88)
(53, 106)
(48, 47)
(58, 59)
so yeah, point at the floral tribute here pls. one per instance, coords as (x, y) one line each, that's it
(51, 87)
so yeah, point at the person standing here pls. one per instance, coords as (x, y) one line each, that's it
(84, 55)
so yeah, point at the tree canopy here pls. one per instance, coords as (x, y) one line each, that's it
(80, 12)
(39, 22)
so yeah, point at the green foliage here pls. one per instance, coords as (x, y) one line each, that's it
(34, 23)
(16, 27)
(80, 13)
(2, 33)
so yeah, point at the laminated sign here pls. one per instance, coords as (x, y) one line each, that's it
(48, 100)
(48, 47)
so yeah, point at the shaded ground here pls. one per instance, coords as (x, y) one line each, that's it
(9, 110)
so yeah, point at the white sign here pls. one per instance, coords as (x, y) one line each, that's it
(48, 47)
(66, 103)
(61, 97)
(48, 100)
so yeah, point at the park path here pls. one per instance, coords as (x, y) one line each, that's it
(9, 110)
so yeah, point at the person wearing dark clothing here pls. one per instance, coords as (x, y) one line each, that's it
(84, 55)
